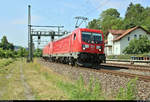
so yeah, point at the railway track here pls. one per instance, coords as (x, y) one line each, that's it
(117, 73)
(124, 74)
(129, 67)
(129, 75)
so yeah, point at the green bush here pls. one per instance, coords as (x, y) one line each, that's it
(138, 46)
(38, 53)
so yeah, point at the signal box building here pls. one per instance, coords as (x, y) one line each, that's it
(118, 40)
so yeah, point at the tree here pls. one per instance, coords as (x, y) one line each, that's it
(5, 44)
(134, 16)
(94, 24)
(110, 19)
(38, 53)
(2, 55)
(146, 16)
(22, 52)
(138, 46)
(110, 12)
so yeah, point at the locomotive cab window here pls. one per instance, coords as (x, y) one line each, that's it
(74, 36)
(91, 37)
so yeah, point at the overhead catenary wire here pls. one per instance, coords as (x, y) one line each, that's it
(92, 10)
(86, 13)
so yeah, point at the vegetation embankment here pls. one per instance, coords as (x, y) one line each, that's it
(48, 85)
(43, 82)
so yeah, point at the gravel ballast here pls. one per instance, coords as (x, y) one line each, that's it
(110, 83)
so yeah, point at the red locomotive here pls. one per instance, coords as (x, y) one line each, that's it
(83, 47)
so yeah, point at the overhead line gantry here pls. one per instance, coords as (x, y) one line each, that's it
(39, 33)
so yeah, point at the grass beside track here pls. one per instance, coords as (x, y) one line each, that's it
(44, 84)
(10, 84)
(41, 85)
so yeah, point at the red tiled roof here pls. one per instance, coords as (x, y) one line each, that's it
(127, 32)
(116, 32)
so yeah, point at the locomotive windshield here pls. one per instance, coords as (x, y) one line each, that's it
(91, 37)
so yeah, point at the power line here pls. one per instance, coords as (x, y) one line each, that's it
(91, 11)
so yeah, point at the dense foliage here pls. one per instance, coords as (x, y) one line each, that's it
(136, 15)
(38, 53)
(138, 46)
(5, 45)
(7, 50)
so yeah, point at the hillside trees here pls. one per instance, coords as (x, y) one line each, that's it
(146, 17)
(109, 19)
(136, 15)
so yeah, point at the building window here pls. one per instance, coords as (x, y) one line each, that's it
(128, 38)
(135, 36)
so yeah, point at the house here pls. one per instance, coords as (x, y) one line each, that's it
(118, 40)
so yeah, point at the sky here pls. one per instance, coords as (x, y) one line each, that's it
(14, 14)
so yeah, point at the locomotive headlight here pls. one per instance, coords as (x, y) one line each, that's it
(83, 48)
(99, 48)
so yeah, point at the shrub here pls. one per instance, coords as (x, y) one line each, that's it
(138, 46)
